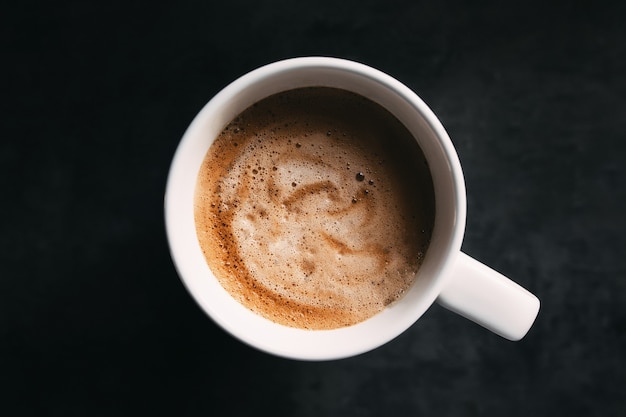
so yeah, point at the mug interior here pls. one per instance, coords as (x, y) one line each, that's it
(449, 200)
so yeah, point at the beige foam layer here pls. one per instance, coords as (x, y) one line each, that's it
(314, 209)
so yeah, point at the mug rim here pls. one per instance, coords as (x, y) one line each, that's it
(178, 245)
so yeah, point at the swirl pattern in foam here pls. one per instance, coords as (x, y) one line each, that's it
(314, 208)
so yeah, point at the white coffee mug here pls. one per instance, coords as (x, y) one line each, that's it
(447, 276)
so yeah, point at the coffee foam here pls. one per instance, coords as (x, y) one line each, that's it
(314, 208)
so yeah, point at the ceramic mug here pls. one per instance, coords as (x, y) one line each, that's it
(447, 275)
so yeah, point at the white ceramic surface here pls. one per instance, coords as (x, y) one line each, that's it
(459, 283)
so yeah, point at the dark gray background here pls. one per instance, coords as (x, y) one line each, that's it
(95, 97)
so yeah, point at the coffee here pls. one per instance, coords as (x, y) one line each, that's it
(314, 208)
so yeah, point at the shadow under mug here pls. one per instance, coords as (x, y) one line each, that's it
(447, 275)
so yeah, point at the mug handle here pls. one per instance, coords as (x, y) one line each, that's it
(490, 299)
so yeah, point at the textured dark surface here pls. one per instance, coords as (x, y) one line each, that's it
(95, 97)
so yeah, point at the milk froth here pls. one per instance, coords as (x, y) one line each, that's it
(314, 208)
